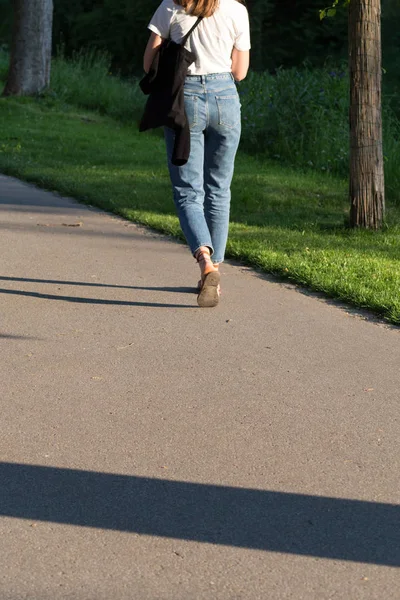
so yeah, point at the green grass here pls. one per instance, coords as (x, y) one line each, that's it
(284, 221)
(86, 81)
(300, 117)
(297, 117)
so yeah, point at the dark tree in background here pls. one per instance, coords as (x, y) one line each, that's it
(261, 12)
(30, 60)
(118, 27)
(284, 32)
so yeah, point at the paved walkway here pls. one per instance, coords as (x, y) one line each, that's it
(154, 450)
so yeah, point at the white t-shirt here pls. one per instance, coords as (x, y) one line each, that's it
(214, 38)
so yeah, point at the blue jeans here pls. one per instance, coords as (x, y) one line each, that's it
(202, 187)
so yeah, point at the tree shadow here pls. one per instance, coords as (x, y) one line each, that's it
(333, 528)
(128, 231)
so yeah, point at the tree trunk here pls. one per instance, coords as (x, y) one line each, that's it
(367, 188)
(31, 48)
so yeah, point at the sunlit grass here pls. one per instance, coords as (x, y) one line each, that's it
(285, 222)
(297, 117)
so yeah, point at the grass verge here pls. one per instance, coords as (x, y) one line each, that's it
(297, 117)
(284, 221)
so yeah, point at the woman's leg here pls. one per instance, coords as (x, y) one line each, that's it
(188, 190)
(221, 143)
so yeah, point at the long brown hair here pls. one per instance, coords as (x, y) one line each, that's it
(199, 8)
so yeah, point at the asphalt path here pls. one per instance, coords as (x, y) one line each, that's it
(154, 450)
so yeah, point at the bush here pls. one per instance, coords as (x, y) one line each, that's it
(391, 151)
(86, 80)
(118, 27)
(300, 116)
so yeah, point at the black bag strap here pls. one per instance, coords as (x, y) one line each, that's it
(189, 33)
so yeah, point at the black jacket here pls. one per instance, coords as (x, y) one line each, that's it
(165, 106)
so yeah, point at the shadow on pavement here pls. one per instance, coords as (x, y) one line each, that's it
(125, 232)
(181, 290)
(333, 528)
(79, 300)
(7, 336)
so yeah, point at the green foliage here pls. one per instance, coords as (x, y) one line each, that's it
(5, 22)
(298, 116)
(4, 62)
(118, 27)
(288, 32)
(86, 80)
(332, 10)
(391, 52)
(285, 33)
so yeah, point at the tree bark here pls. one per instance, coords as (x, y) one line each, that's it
(30, 62)
(367, 188)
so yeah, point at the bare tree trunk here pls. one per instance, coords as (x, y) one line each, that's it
(31, 48)
(367, 188)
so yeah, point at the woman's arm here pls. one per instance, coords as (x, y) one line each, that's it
(240, 63)
(153, 44)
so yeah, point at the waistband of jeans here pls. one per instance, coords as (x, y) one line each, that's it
(210, 77)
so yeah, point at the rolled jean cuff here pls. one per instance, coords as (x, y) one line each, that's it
(207, 245)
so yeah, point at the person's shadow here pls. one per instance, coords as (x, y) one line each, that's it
(84, 300)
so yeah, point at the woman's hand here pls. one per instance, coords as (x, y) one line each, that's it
(153, 45)
(240, 63)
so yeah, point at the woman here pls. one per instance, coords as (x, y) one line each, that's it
(221, 43)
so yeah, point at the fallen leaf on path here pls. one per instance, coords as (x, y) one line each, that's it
(124, 347)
